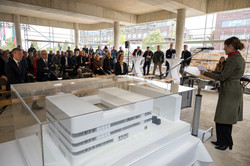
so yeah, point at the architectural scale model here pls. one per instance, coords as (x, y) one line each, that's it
(81, 125)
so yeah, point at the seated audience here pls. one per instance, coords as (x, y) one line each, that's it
(97, 66)
(35, 58)
(3, 78)
(45, 68)
(16, 72)
(66, 64)
(15, 69)
(121, 68)
(6, 57)
(108, 64)
(220, 65)
(91, 60)
(56, 60)
(83, 63)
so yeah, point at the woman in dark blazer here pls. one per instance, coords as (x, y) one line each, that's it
(121, 68)
(229, 108)
(97, 66)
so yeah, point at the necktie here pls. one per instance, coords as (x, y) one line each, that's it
(19, 65)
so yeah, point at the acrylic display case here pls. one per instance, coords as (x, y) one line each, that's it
(120, 120)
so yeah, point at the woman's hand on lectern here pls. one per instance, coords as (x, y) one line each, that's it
(209, 70)
(202, 71)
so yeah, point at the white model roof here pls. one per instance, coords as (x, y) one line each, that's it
(72, 105)
(122, 94)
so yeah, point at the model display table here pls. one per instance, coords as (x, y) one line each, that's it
(115, 121)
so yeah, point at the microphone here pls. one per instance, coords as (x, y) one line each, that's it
(206, 48)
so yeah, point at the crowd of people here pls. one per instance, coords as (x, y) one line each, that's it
(20, 66)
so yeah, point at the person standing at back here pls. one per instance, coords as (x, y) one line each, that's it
(170, 53)
(185, 55)
(148, 56)
(229, 108)
(137, 52)
(114, 54)
(31, 49)
(85, 49)
(158, 59)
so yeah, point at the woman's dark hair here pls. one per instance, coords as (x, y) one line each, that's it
(235, 42)
(221, 58)
(119, 57)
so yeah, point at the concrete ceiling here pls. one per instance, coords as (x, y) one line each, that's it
(95, 14)
(47, 15)
(127, 6)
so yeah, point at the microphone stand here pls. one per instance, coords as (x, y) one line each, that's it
(181, 62)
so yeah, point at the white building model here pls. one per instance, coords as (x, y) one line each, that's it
(87, 127)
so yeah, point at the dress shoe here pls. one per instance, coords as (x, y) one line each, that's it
(224, 147)
(215, 143)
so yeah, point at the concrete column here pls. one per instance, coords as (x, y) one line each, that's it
(17, 30)
(116, 34)
(76, 29)
(180, 25)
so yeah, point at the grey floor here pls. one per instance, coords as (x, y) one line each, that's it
(239, 156)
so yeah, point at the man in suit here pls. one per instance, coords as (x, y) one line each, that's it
(45, 67)
(170, 53)
(185, 55)
(158, 59)
(85, 49)
(16, 72)
(137, 52)
(15, 69)
(108, 64)
(81, 59)
(66, 63)
(83, 63)
(148, 56)
(76, 49)
(31, 49)
(3, 78)
(91, 50)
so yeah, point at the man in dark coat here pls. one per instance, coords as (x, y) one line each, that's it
(148, 55)
(45, 68)
(31, 49)
(170, 53)
(15, 69)
(158, 59)
(137, 52)
(108, 64)
(85, 49)
(16, 72)
(185, 55)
